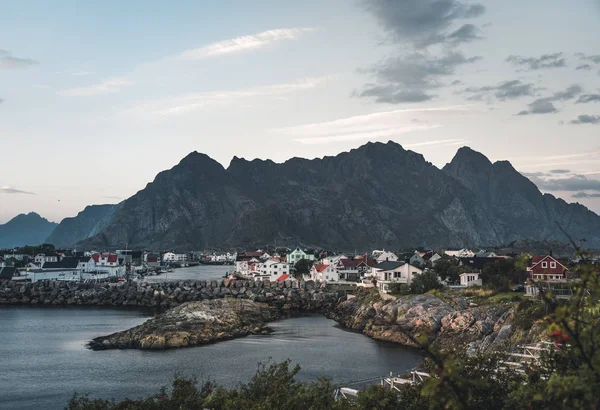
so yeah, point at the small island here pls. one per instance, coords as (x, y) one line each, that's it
(194, 324)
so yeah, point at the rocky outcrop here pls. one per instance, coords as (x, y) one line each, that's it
(452, 324)
(193, 324)
(30, 229)
(302, 296)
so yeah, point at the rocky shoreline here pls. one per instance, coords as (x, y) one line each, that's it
(450, 324)
(293, 295)
(194, 324)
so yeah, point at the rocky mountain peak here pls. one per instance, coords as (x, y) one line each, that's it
(467, 157)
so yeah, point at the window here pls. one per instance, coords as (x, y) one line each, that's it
(553, 264)
(544, 265)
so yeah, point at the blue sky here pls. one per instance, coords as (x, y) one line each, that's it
(98, 97)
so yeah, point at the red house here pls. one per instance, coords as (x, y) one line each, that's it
(546, 268)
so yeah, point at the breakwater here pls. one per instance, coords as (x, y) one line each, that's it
(306, 296)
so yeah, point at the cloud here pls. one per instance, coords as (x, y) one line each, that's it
(586, 119)
(10, 190)
(555, 60)
(108, 86)
(82, 73)
(585, 195)
(197, 101)
(540, 106)
(1, 100)
(110, 197)
(583, 67)
(368, 126)
(243, 43)
(425, 22)
(593, 58)
(507, 90)
(410, 78)
(587, 98)
(465, 34)
(373, 135)
(534, 174)
(8, 62)
(560, 171)
(447, 142)
(574, 182)
(545, 105)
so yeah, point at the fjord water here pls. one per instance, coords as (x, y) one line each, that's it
(43, 358)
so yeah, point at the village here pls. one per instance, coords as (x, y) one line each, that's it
(390, 272)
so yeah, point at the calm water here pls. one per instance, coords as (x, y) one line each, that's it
(43, 359)
(201, 272)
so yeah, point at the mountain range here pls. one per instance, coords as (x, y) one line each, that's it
(378, 195)
(30, 229)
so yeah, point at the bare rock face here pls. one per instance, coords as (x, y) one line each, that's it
(193, 324)
(447, 325)
(378, 195)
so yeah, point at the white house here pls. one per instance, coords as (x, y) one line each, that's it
(390, 272)
(324, 273)
(271, 269)
(174, 257)
(107, 263)
(384, 256)
(16, 256)
(297, 255)
(86, 264)
(470, 279)
(332, 260)
(461, 253)
(42, 258)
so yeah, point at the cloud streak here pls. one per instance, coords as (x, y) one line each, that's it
(243, 43)
(506, 90)
(108, 86)
(10, 190)
(585, 195)
(8, 62)
(360, 136)
(365, 127)
(555, 60)
(198, 101)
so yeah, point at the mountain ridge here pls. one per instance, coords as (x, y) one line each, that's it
(376, 195)
(25, 229)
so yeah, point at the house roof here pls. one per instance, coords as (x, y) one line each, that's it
(66, 263)
(7, 272)
(283, 277)
(320, 267)
(538, 259)
(388, 265)
(112, 258)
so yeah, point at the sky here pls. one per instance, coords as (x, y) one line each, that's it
(96, 98)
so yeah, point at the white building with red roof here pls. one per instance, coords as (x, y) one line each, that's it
(272, 269)
(324, 273)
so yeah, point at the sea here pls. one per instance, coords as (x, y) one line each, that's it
(44, 359)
